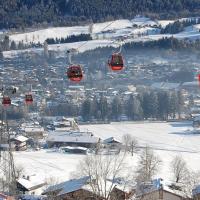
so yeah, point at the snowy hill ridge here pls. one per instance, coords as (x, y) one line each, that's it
(103, 34)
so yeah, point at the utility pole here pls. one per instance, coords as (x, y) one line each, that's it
(7, 168)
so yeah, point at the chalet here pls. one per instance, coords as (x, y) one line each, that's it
(156, 190)
(112, 143)
(72, 189)
(71, 138)
(30, 185)
(66, 124)
(161, 194)
(79, 189)
(36, 132)
(19, 142)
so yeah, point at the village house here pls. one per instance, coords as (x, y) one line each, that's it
(19, 143)
(156, 190)
(80, 189)
(35, 132)
(112, 143)
(31, 185)
(160, 194)
(71, 138)
(66, 124)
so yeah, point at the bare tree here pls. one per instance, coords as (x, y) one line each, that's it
(179, 169)
(148, 165)
(130, 143)
(103, 172)
(19, 169)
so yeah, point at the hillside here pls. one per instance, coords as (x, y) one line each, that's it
(26, 13)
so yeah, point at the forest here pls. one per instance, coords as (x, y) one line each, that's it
(159, 105)
(40, 13)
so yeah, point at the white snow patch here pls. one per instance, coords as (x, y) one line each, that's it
(167, 139)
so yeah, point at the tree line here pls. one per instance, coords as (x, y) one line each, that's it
(165, 43)
(179, 26)
(160, 105)
(27, 13)
(6, 44)
(69, 39)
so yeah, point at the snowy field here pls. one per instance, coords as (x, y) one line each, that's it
(167, 140)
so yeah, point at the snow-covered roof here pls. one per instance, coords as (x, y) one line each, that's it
(68, 186)
(31, 197)
(33, 129)
(157, 184)
(21, 138)
(111, 140)
(31, 182)
(73, 137)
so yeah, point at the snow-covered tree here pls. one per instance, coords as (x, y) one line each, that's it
(179, 169)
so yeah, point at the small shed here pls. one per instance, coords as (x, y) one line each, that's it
(112, 143)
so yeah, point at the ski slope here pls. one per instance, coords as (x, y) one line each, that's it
(167, 140)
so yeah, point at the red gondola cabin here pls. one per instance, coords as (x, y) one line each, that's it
(6, 101)
(199, 79)
(116, 62)
(74, 73)
(28, 99)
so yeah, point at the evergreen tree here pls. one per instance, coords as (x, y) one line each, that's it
(133, 108)
(116, 108)
(86, 110)
(163, 105)
(180, 103)
(1, 55)
(95, 108)
(103, 105)
(150, 105)
(173, 104)
(13, 45)
(6, 43)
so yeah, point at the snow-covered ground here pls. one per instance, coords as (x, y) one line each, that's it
(104, 34)
(167, 139)
(59, 32)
